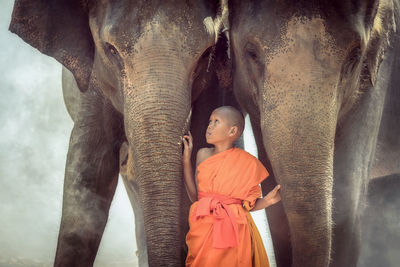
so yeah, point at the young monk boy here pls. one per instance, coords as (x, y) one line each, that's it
(222, 232)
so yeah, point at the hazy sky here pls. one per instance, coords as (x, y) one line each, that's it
(35, 130)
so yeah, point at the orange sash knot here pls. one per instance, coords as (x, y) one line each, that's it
(225, 227)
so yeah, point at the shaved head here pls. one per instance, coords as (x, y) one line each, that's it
(233, 116)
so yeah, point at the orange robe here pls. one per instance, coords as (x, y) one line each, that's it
(222, 232)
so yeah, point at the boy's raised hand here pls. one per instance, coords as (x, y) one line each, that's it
(188, 146)
(270, 199)
(273, 196)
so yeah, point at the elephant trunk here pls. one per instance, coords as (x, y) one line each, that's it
(305, 171)
(155, 120)
(299, 108)
(300, 147)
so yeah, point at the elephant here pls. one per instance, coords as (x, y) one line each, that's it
(313, 76)
(133, 72)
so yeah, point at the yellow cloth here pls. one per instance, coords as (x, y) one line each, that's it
(259, 256)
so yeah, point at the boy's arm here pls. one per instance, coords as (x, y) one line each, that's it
(189, 180)
(270, 199)
(190, 183)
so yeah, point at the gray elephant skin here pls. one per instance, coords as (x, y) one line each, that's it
(139, 67)
(314, 77)
(381, 223)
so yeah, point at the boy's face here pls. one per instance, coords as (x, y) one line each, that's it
(218, 128)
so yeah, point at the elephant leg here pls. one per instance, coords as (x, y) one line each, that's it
(132, 188)
(356, 139)
(91, 176)
(380, 223)
(277, 220)
(133, 194)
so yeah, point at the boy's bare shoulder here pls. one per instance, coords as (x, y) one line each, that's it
(202, 154)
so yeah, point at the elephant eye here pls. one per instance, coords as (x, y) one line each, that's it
(113, 55)
(353, 58)
(252, 55)
(251, 52)
(112, 49)
(254, 58)
(355, 55)
(125, 161)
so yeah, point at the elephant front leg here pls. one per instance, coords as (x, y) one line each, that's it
(91, 178)
(355, 145)
(133, 194)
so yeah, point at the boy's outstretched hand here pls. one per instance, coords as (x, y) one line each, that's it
(273, 196)
(188, 147)
(270, 199)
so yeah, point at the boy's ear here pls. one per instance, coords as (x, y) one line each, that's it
(233, 131)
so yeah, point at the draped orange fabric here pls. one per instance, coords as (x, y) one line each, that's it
(259, 255)
(220, 231)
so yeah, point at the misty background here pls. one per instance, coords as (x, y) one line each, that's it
(35, 129)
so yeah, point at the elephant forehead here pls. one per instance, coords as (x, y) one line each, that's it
(345, 22)
(302, 75)
(305, 45)
(125, 23)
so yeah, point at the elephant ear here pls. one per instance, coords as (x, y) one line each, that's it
(59, 29)
(383, 29)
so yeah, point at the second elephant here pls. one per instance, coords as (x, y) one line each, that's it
(313, 76)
